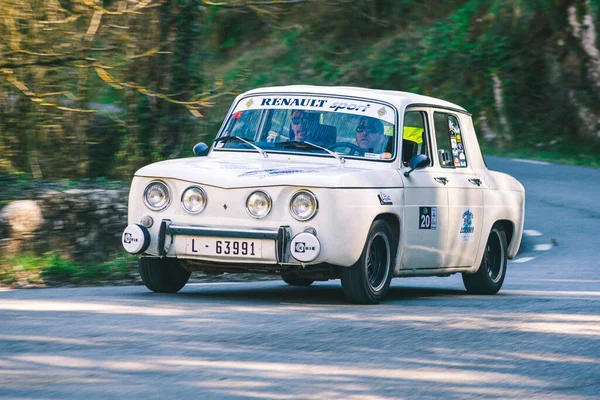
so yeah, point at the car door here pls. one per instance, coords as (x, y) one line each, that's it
(425, 221)
(465, 195)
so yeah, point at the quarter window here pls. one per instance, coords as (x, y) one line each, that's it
(449, 140)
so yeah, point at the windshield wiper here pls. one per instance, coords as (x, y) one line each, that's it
(316, 146)
(226, 138)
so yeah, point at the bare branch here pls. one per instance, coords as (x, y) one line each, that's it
(10, 78)
(256, 3)
(31, 53)
(51, 59)
(118, 26)
(94, 25)
(62, 21)
(68, 95)
(135, 10)
(192, 106)
(40, 63)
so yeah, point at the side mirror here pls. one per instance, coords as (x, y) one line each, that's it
(417, 162)
(201, 149)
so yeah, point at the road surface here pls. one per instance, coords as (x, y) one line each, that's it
(538, 338)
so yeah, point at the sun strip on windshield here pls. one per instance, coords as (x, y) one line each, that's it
(318, 103)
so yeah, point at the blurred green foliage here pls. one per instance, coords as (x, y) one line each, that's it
(160, 75)
(517, 65)
(161, 78)
(51, 269)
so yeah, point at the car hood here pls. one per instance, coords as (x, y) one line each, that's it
(237, 173)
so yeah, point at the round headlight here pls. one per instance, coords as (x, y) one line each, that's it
(194, 200)
(258, 204)
(157, 196)
(303, 205)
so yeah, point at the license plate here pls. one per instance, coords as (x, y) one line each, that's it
(224, 247)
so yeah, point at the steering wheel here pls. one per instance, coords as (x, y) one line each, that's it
(353, 150)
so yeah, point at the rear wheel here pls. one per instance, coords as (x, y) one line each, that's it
(489, 277)
(368, 281)
(297, 280)
(162, 275)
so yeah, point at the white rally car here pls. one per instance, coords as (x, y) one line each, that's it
(317, 183)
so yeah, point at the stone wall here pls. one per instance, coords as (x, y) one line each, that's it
(80, 224)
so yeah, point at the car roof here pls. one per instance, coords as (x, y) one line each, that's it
(404, 99)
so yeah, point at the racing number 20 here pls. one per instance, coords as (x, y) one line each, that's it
(427, 218)
(234, 248)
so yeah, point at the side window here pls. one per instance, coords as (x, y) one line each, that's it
(414, 136)
(448, 137)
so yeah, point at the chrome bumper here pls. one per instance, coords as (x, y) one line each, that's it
(281, 236)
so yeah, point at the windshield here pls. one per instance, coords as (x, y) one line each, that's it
(287, 123)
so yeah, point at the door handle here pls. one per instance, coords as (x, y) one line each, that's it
(441, 179)
(475, 181)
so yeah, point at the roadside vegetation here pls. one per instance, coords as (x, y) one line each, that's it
(92, 90)
(50, 269)
(20, 185)
(98, 89)
(528, 71)
(587, 157)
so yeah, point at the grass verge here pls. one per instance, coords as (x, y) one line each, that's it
(50, 269)
(588, 156)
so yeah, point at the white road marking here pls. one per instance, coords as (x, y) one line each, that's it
(531, 161)
(542, 247)
(522, 260)
(532, 232)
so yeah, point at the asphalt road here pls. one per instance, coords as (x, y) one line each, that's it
(538, 338)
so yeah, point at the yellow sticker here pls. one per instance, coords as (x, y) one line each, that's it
(381, 112)
(249, 103)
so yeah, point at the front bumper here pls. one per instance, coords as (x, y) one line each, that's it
(281, 237)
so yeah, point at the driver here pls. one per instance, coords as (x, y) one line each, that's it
(369, 135)
(303, 123)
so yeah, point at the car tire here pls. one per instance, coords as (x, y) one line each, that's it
(368, 281)
(297, 280)
(162, 275)
(489, 277)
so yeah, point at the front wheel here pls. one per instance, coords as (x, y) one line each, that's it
(368, 281)
(489, 277)
(162, 275)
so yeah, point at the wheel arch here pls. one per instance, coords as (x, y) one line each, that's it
(509, 229)
(394, 221)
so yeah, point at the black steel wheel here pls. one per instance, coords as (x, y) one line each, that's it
(368, 281)
(490, 276)
(162, 275)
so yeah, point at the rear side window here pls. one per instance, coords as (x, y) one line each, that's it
(449, 140)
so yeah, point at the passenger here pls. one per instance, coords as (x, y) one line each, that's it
(369, 135)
